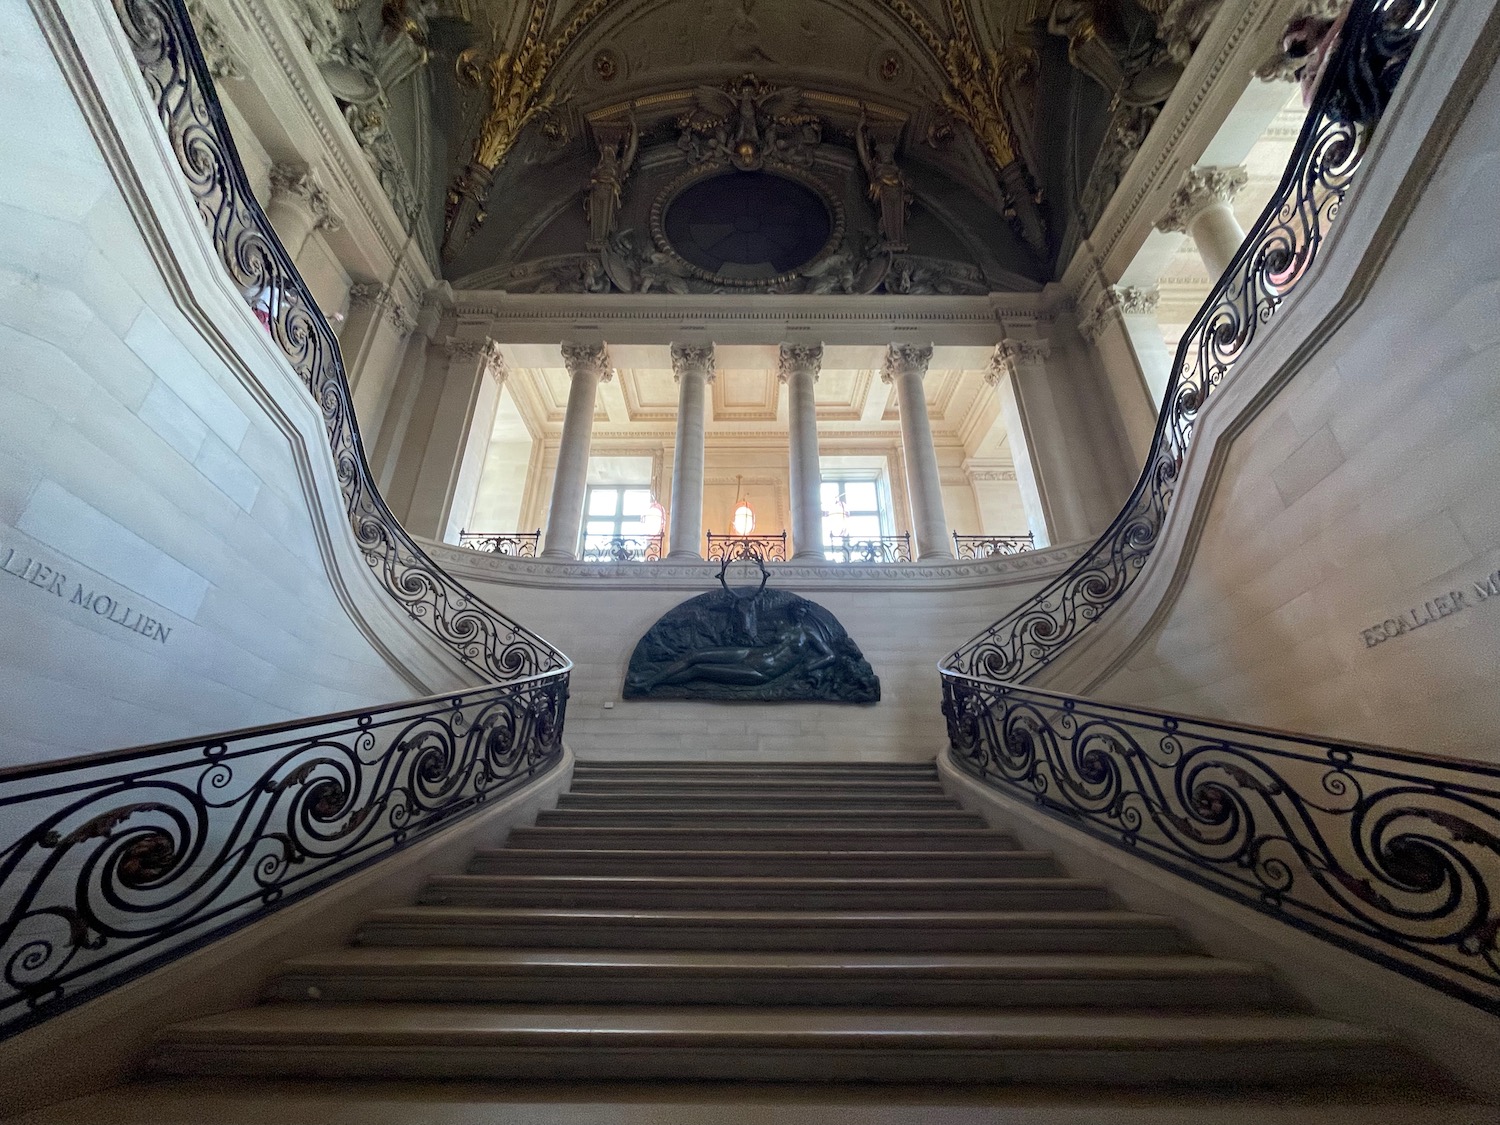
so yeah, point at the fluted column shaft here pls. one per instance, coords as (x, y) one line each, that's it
(800, 364)
(1203, 207)
(693, 367)
(588, 366)
(906, 366)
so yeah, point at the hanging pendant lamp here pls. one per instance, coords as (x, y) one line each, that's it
(744, 515)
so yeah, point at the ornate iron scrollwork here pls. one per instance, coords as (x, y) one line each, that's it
(1377, 39)
(113, 864)
(1394, 855)
(518, 544)
(618, 548)
(177, 78)
(988, 546)
(882, 549)
(727, 548)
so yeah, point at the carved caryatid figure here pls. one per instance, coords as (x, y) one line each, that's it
(617, 150)
(887, 183)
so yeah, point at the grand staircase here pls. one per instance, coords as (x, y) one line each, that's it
(780, 922)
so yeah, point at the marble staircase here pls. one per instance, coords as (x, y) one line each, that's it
(782, 923)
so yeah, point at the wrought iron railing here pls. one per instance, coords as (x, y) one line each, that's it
(1377, 39)
(727, 548)
(621, 548)
(1394, 855)
(520, 544)
(881, 549)
(1391, 854)
(167, 52)
(989, 546)
(113, 864)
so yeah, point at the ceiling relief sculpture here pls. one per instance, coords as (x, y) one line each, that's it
(914, 123)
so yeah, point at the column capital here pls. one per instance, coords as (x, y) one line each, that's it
(1202, 186)
(1118, 301)
(295, 184)
(588, 359)
(905, 359)
(693, 358)
(481, 350)
(798, 358)
(1011, 355)
(379, 298)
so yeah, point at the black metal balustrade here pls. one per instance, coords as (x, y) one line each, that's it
(167, 52)
(621, 548)
(1377, 40)
(518, 544)
(882, 549)
(989, 546)
(1393, 855)
(727, 548)
(1390, 854)
(113, 864)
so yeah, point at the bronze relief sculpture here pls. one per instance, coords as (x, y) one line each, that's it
(766, 646)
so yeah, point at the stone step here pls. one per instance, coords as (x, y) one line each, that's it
(592, 784)
(737, 838)
(764, 893)
(867, 864)
(597, 768)
(528, 976)
(590, 1042)
(770, 818)
(755, 800)
(976, 931)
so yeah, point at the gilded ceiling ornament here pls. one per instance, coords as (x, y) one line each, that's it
(606, 66)
(890, 66)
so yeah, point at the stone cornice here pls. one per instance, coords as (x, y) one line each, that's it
(698, 577)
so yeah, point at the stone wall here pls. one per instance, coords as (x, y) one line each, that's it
(162, 569)
(1345, 582)
(903, 623)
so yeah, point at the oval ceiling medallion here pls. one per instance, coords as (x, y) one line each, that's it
(746, 229)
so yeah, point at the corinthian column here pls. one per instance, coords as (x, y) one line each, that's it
(297, 206)
(1202, 208)
(693, 368)
(588, 366)
(800, 364)
(906, 366)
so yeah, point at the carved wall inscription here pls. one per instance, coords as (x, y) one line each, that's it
(1434, 609)
(50, 580)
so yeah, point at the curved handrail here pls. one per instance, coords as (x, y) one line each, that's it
(113, 864)
(1376, 41)
(1391, 854)
(167, 51)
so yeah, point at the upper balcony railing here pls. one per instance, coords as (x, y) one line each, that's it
(517, 544)
(621, 548)
(991, 546)
(728, 548)
(1391, 854)
(868, 552)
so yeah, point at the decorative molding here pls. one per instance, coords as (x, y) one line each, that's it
(590, 359)
(224, 62)
(905, 359)
(482, 351)
(698, 358)
(294, 184)
(795, 358)
(1011, 355)
(373, 295)
(1118, 301)
(1202, 186)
